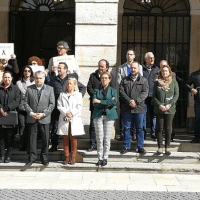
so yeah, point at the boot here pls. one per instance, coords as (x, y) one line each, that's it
(66, 149)
(73, 150)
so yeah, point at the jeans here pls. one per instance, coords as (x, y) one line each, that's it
(128, 120)
(149, 108)
(197, 119)
(164, 121)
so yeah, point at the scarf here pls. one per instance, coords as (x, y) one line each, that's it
(164, 83)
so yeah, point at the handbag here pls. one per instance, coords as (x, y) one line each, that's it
(10, 119)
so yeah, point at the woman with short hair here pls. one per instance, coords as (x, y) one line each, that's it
(104, 114)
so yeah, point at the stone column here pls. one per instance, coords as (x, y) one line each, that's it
(4, 21)
(95, 39)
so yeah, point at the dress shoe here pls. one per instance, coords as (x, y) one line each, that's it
(153, 136)
(124, 151)
(7, 160)
(2, 159)
(195, 140)
(45, 162)
(167, 151)
(141, 151)
(121, 137)
(160, 151)
(134, 137)
(53, 148)
(99, 163)
(104, 162)
(92, 148)
(30, 163)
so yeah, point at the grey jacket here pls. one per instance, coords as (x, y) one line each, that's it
(138, 93)
(45, 105)
(122, 72)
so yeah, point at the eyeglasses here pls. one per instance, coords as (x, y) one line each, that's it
(27, 70)
(34, 63)
(60, 48)
(104, 78)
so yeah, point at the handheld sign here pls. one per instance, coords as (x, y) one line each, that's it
(6, 50)
(70, 60)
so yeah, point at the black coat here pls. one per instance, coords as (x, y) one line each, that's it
(150, 77)
(95, 83)
(138, 93)
(13, 97)
(194, 80)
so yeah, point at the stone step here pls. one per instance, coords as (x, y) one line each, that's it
(115, 156)
(111, 166)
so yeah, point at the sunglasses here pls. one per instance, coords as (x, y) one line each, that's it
(60, 48)
(27, 70)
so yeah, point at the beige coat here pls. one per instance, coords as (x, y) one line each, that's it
(73, 104)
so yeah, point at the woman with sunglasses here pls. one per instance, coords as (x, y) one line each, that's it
(104, 101)
(26, 80)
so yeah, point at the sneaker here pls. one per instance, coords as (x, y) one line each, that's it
(141, 151)
(160, 151)
(99, 163)
(167, 151)
(104, 162)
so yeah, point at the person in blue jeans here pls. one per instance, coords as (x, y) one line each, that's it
(133, 91)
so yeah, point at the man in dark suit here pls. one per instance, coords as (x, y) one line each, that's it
(39, 103)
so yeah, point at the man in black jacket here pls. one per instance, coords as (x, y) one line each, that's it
(149, 71)
(194, 80)
(94, 83)
(133, 91)
(58, 83)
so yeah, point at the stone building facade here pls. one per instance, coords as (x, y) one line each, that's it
(98, 32)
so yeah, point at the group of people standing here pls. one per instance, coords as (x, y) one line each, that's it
(48, 98)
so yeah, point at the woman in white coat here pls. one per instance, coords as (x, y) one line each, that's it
(70, 121)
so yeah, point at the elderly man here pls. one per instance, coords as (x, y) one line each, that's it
(124, 70)
(94, 83)
(39, 103)
(62, 48)
(133, 91)
(149, 71)
(58, 82)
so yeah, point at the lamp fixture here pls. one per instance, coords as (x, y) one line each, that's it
(145, 1)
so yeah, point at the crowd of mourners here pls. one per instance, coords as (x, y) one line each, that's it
(49, 104)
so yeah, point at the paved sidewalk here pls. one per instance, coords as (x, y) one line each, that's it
(100, 181)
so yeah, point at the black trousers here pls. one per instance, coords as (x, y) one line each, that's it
(7, 136)
(22, 128)
(164, 122)
(32, 146)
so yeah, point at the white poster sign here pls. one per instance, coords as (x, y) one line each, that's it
(70, 60)
(36, 68)
(6, 50)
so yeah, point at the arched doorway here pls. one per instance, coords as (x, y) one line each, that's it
(162, 27)
(36, 26)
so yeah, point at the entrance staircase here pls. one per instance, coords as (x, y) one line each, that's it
(184, 158)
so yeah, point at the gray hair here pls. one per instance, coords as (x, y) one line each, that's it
(75, 81)
(40, 72)
(64, 44)
(146, 54)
